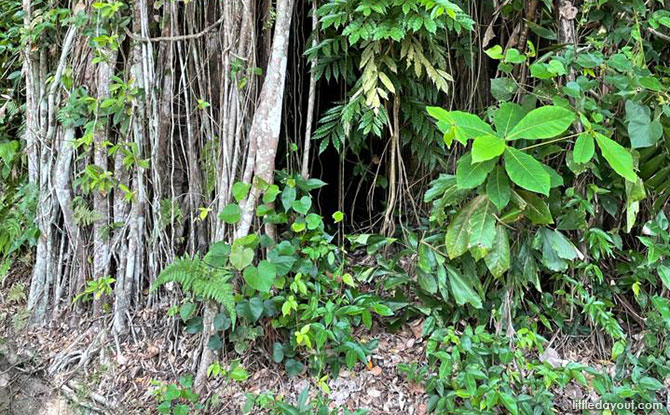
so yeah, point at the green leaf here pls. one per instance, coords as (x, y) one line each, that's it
(664, 273)
(302, 205)
(461, 290)
(543, 122)
(495, 52)
(458, 231)
(507, 117)
(650, 383)
(180, 409)
(231, 214)
(260, 278)
(238, 374)
(643, 132)
(510, 403)
(555, 179)
(536, 209)
(584, 148)
(503, 89)
(498, 259)
(557, 250)
(469, 175)
(618, 348)
(426, 282)
(482, 227)
(241, 190)
(240, 257)
(514, 56)
(338, 216)
(287, 197)
(270, 194)
(277, 352)
(313, 221)
(462, 125)
(497, 188)
(293, 367)
(487, 147)
(194, 325)
(186, 310)
(251, 309)
(215, 342)
(617, 156)
(527, 172)
(217, 255)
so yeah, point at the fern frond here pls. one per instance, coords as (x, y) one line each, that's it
(183, 271)
(195, 276)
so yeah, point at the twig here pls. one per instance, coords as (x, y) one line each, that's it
(658, 34)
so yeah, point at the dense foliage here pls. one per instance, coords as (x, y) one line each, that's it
(513, 159)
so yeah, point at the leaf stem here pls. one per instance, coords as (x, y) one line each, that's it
(550, 142)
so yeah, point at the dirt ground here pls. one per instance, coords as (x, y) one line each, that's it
(84, 371)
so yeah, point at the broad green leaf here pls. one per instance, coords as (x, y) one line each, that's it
(643, 132)
(260, 278)
(469, 175)
(461, 290)
(498, 259)
(231, 214)
(664, 273)
(458, 231)
(241, 190)
(503, 89)
(181, 409)
(287, 197)
(302, 205)
(186, 310)
(215, 342)
(536, 209)
(514, 56)
(557, 250)
(584, 148)
(543, 122)
(251, 309)
(438, 187)
(240, 257)
(482, 227)
(277, 352)
(495, 52)
(509, 402)
(313, 221)
(238, 373)
(217, 255)
(527, 172)
(507, 117)
(487, 147)
(618, 348)
(650, 383)
(270, 194)
(427, 282)
(555, 179)
(497, 188)
(462, 125)
(617, 156)
(294, 367)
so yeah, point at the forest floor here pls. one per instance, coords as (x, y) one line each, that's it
(74, 367)
(91, 375)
